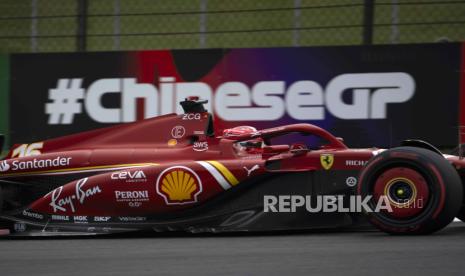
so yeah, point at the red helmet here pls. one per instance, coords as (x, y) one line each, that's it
(253, 146)
(238, 131)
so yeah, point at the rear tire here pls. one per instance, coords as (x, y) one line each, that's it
(424, 191)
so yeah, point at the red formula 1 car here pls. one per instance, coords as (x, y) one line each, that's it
(171, 173)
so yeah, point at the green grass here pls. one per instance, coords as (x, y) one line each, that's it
(216, 22)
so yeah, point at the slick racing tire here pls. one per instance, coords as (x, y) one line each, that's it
(423, 191)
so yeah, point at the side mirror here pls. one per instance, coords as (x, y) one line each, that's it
(299, 152)
(269, 151)
(299, 149)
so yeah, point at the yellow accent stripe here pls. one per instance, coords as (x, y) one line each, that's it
(229, 176)
(83, 169)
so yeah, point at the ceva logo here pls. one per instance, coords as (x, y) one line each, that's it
(130, 176)
(4, 166)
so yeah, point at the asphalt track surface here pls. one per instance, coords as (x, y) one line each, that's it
(304, 253)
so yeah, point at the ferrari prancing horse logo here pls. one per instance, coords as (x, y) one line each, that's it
(327, 160)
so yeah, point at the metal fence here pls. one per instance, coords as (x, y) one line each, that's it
(102, 25)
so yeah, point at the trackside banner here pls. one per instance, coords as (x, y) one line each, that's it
(370, 96)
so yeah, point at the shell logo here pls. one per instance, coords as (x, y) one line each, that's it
(179, 185)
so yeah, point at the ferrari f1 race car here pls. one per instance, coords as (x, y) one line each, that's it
(175, 173)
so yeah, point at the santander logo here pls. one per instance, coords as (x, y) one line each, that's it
(4, 166)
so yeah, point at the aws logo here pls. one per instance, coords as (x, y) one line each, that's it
(179, 185)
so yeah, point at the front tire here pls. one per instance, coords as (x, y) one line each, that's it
(423, 190)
